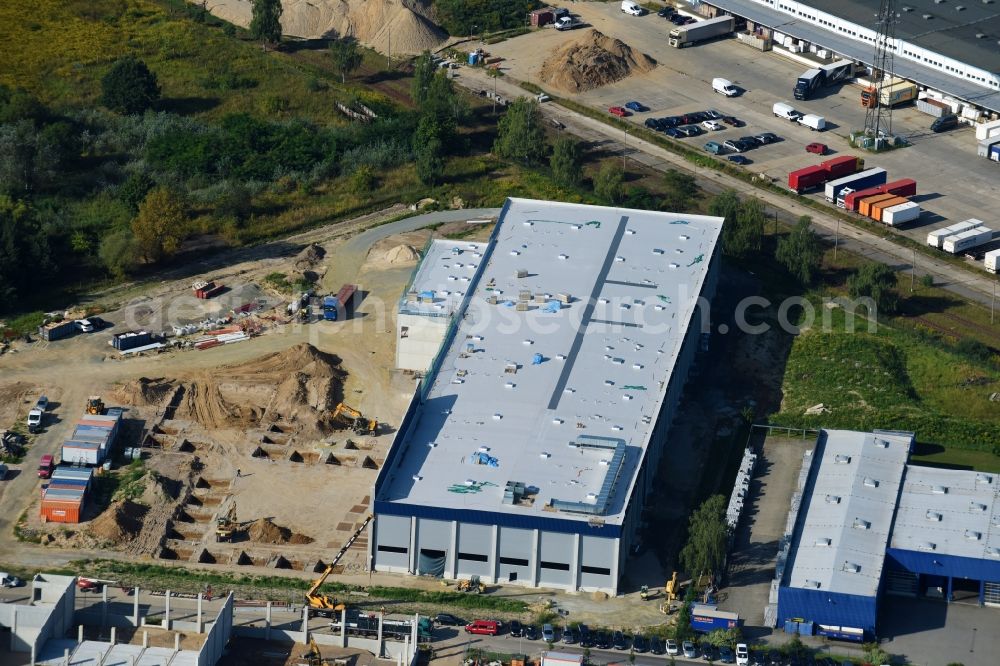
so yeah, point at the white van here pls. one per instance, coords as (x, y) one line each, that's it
(813, 122)
(724, 87)
(631, 8)
(786, 111)
(84, 326)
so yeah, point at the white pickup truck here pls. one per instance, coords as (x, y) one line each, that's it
(568, 23)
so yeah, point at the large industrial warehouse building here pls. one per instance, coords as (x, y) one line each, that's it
(948, 46)
(869, 523)
(528, 449)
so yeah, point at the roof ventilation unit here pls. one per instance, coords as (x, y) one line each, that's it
(813, 584)
(984, 478)
(976, 506)
(907, 8)
(862, 524)
(824, 542)
(935, 516)
(870, 482)
(980, 35)
(833, 499)
(417, 477)
(973, 535)
(881, 443)
(852, 567)
(928, 545)
(959, 8)
(940, 490)
(842, 460)
(928, 17)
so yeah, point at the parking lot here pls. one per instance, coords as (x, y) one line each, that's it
(952, 183)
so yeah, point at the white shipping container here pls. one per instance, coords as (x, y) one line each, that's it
(932, 107)
(967, 240)
(74, 455)
(935, 238)
(983, 147)
(992, 260)
(897, 215)
(986, 130)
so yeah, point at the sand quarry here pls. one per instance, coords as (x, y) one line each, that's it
(403, 25)
(304, 480)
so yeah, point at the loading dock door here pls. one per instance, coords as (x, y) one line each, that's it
(992, 594)
(431, 562)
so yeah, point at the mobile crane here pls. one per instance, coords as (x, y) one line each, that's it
(323, 605)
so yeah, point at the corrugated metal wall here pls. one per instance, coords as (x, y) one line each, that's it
(826, 607)
(946, 565)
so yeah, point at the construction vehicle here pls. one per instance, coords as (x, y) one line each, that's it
(323, 605)
(95, 405)
(644, 592)
(473, 585)
(354, 420)
(226, 525)
(673, 588)
(314, 657)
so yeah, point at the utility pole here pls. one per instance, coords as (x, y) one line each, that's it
(624, 150)
(913, 269)
(495, 74)
(836, 240)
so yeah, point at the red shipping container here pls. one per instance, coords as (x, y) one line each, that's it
(853, 200)
(803, 179)
(907, 187)
(61, 511)
(845, 165)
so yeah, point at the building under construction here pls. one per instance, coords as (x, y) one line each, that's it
(527, 451)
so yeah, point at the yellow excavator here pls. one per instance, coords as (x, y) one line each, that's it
(323, 605)
(226, 525)
(673, 588)
(314, 657)
(354, 420)
(473, 585)
(95, 405)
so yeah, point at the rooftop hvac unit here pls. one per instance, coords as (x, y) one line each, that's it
(871, 483)
(973, 535)
(940, 490)
(833, 499)
(984, 478)
(842, 460)
(976, 506)
(813, 584)
(934, 515)
(862, 524)
(824, 542)
(928, 545)
(852, 567)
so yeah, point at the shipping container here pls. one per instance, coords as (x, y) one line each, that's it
(131, 340)
(61, 505)
(865, 207)
(853, 198)
(966, 240)
(82, 453)
(904, 187)
(992, 260)
(867, 178)
(77, 476)
(844, 165)
(709, 618)
(933, 107)
(936, 237)
(987, 130)
(901, 214)
(801, 180)
(983, 147)
(876, 207)
(995, 152)
(57, 330)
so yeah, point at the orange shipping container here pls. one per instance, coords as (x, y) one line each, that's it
(878, 206)
(866, 204)
(61, 512)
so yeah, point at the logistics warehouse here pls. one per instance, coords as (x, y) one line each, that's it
(870, 523)
(529, 446)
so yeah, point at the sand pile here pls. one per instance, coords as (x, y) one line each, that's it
(120, 522)
(309, 257)
(142, 392)
(300, 384)
(264, 530)
(591, 61)
(372, 22)
(388, 252)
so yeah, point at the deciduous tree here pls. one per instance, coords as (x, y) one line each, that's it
(159, 225)
(566, 162)
(519, 133)
(265, 21)
(800, 251)
(705, 550)
(129, 87)
(608, 183)
(347, 56)
(875, 281)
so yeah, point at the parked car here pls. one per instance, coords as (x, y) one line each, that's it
(485, 627)
(7, 580)
(689, 650)
(713, 147)
(674, 133)
(713, 125)
(516, 629)
(672, 647)
(548, 633)
(618, 641)
(46, 466)
(586, 637)
(733, 120)
(636, 106)
(707, 652)
(618, 111)
(943, 123)
(653, 123)
(569, 636)
(742, 655)
(712, 114)
(84, 326)
(739, 159)
(531, 632)
(693, 130)
(448, 620)
(35, 419)
(734, 145)
(766, 138)
(656, 645)
(816, 148)
(3, 471)
(666, 12)
(671, 121)
(726, 655)
(640, 644)
(42, 403)
(87, 585)
(602, 640)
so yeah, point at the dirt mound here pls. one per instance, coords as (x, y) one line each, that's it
(308, 257)
(120, 522)
(592, 61)
(264, 530)
(142, 392)
(371, 22)
(299, 385)
(388, 253)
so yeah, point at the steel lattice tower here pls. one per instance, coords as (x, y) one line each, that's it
(878, 119)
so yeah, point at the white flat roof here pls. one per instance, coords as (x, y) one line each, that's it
(848, 511)
(442, 278)
(574, 426)
(949, 512)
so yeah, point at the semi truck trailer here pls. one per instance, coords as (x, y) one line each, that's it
(861, 180)
(820, 77)
(936, 237)
(692, 33)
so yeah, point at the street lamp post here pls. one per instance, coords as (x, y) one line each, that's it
(624, 151)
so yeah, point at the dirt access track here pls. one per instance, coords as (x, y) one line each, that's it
(241, 432)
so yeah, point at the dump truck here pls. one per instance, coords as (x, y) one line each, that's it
(692, 33)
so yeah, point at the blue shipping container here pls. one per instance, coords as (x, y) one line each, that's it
(709, 618)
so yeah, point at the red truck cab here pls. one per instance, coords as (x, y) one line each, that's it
(46, 467)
